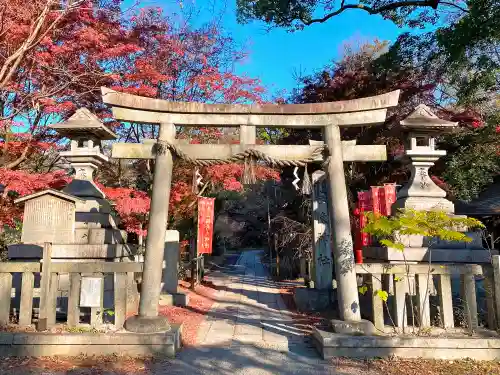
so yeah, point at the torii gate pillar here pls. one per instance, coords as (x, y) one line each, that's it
(148, 320)
(345, 271)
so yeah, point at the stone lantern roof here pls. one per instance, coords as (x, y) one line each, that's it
(86, 132)
(422, 119)
(84, 125)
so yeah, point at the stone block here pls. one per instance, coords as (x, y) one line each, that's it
(93, 205)
(107, 236)
(435, 243)
(95, 220)
(181, 299)
(72, 251)
(67, 344)
(422, 255)
(175, 299)
(363, 327)
(309, 299)
(166, 300)
(477, 240)
(170, 262)
(331, 345)
(424, 204)
(81, 236)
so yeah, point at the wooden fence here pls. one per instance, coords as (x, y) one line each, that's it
(49, 273)
(392, 291)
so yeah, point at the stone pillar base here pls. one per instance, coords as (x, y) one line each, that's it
(423, 203)
(362, 327)
(310, 299)
(174, 299)
(147, 324)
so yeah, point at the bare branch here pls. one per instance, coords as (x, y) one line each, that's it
(384, 8)
(36, 35)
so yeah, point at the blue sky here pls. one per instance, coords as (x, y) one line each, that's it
(277, 56)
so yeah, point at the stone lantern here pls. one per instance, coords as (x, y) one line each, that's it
(86, 133)
(421, 193)
(78, 220)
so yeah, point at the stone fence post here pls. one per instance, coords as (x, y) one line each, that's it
(496, 281)
(170, 294)
(44, 318)
(170, 262)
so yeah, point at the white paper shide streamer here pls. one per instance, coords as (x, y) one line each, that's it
(297, 179)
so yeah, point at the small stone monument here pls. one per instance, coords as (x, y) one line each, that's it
(322, 274)
(49, 216)
(320, 295)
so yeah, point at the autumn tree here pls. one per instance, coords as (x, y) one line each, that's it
(358, 74)
(96, 43)
(55, 56)
(461, 58)
(454, 50)
(472, 162)
(179, 63)
(23, 28)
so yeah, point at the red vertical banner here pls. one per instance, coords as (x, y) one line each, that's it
(205, 225)
(364, 205)
(376, 199)
(364, 201)
(379, 200)
(389, 197)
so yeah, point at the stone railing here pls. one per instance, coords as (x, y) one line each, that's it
(26, 287)
(425, 296)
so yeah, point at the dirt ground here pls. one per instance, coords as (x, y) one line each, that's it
(415, 367)
(114, 365)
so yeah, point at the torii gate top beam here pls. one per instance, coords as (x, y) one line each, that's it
(356, 112)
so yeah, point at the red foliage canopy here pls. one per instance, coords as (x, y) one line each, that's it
(20, 183)
(131, 205)
(76, 50)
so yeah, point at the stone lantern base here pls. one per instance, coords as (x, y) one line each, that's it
(423, 204)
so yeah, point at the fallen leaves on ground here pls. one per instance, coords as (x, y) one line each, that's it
(436, 367)
(200, 302)
(308, 319)
(81, 365)
(394, 366)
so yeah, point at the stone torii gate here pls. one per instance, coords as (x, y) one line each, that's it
(327, 116)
